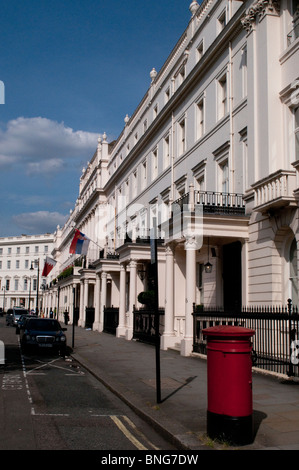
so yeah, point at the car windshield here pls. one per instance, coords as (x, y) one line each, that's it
(21, 312)
(43, 325)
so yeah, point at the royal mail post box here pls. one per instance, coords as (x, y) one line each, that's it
(229, 378)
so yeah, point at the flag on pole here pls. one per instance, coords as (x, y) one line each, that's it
(80, 243)
(49, 265)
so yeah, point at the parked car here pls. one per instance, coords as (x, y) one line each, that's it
(41, 333)
(13, 315)
(22, 320)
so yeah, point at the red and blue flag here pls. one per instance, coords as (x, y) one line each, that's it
(80, 243)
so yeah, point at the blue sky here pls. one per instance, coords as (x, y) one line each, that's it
(72, 70)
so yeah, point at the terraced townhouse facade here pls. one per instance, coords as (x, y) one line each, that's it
(213, 141)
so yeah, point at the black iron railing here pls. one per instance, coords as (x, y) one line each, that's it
(111, 319)
(144, 324)
(214, 202)
(276, 339)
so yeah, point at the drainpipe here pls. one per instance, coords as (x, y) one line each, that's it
(231, 127)
(172, 162)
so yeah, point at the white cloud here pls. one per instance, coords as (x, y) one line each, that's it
(39, 222)
(43, 145)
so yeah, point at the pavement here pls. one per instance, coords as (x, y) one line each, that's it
(128, 369)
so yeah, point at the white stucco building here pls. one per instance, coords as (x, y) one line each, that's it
(217, 130)
(22, 260)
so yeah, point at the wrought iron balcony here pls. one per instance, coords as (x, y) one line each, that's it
(275, 191)
(214, 202)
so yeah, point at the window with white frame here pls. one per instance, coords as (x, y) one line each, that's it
(143, 174)
(199, 180)
(155, 163)
(143, 232)
(166, 152)
(182, 136)
(296, 112)
(167, 95)
(244, 71)
(224, 177)
(16, 284)
(127, 190)
(8, 264)
(155, 111)
(181, 75)
(199, 51)
(222, 96)
(17, 264)
(134, 184)
(221, 21)
(244, 177)
(200, 118)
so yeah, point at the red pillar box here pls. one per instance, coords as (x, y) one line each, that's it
(229, 414)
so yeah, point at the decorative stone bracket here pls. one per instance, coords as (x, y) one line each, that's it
(258, 10)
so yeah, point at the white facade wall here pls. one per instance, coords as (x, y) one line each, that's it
(18, 282)
(217, 119)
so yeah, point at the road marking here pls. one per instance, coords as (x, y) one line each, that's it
(51, 364)
(12, 382)
(127, 433)
(47, 414)
(139, 432)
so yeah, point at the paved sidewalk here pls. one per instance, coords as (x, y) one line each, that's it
(128, 368)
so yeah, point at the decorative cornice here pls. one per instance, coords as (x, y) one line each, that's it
(258, 10)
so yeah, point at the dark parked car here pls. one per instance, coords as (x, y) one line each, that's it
(13, 315)
(21, 321)
(42, 333)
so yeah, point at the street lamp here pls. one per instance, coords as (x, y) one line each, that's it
(36, 262)
(208, 265)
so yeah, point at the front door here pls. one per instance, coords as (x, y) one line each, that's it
(232, 276)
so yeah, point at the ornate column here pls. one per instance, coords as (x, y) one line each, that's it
(82, 302)
(85, 302)
(190, 292)
(168, 338)
(132, 300)
(97, 304)
(120, 331)
(103, 299)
